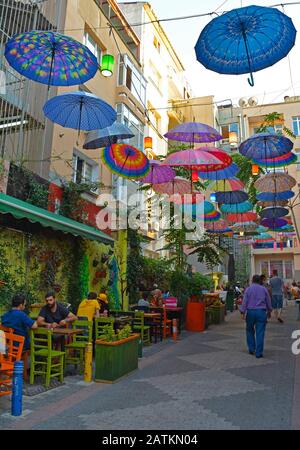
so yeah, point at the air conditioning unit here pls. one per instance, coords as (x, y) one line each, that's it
(253, 101)
(243, 102)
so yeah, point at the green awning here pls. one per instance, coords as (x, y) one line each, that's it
(23, 210)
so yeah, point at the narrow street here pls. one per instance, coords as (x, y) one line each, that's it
(204, 381)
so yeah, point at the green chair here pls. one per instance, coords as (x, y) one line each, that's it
(140, 327)
(44, 360)
(100, 323)
(75, 351)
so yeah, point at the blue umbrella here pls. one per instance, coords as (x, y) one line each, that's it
(237, 207)
(274, 196)
(245, 40)
(107, 136)
(272, 212)
(231, 197)
(203, 208)
(224, 174)
(80, 110)
(274, 223)
(265, 145)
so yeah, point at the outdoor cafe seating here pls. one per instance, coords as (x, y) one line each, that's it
(14, 348)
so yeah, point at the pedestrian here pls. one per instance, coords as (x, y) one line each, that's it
(295, 291)
(256, 308)
(277, 284)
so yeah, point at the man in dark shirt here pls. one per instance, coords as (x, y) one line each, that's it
(18, 320)
(53, 314)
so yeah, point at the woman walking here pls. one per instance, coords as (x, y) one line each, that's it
(256, 308)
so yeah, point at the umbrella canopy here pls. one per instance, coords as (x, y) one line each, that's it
(203, 207)
(158, 173)
(211, 217)
(245, 40)
(273, 212)
(264, 204)
(270, 196)
(274, 223)
(265, 146)
(221, 226)
(80, 110)
(261, 229)
(223, 174)
(234, 184)
(51, 58)
(231, 197)
(206, 158)
(275, 182)
(244, 226)
(178, 185)
(188, 199)
(242, 217)
(126, 161)
(236, 207)
(193, 132)
(107, 136)
(280, 161)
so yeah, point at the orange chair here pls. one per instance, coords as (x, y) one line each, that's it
(14, 346)
(25, 354)
(167, 324)
(6, 329)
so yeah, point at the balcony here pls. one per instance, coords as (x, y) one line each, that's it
(175, 113)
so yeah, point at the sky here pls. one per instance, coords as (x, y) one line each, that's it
(271, 84)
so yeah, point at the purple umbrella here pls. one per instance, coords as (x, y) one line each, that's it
(193, 132)
(274, 223)
(159, 174)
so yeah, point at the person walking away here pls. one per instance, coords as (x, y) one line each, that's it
(256, 308)
(277, 284)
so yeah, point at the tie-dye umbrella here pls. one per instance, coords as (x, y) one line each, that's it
(244, 227)
(265, 146)
(223, 174)
(220, 227)
(126, 161)
(233, 184)
(158, 174)
(51, 58)
(211, 217)
(193, 132)
(177, 186)
(275, 182)
(280, 161)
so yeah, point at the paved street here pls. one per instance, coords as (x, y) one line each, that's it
(204, 381)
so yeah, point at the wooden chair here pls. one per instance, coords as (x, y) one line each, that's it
(44, 360)
(156, 327)
(167, 324)
(100, 323)
(75, 351)
(14, 348)
(25, 353)
(6, 329)
(140, 327)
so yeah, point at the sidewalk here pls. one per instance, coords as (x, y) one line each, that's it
(204, 381)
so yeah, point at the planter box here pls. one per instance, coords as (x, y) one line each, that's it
(116, 359)
(218, 314)
(208, 317)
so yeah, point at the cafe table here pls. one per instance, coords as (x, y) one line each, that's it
(65, 332)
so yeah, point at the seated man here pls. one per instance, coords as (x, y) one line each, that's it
(53, 314)
(143, 304)
(18, 320)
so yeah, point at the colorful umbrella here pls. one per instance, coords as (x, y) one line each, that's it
(270, 196)
(158, 174)
(220, 226)
(265, 145)
(264, 237)
(231, 197)
(193, 132)
(244, 226)
(223, 174)
(264, 204)
(51, 58)
(275, 182)
(280, 161)
(107, 136)
(203, 207)
(236, 207)
(126, 161)
(187, 199)
(242, 217)
(211, 217)
(273, 212)
(80, 110)
(206, 158)
(245, 40)
(261, 229)
(177, 186)
(274, 223)
(234, 184)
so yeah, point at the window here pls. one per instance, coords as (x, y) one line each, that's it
(285, 268)
(93, 46)
(125, 116)
(156, 44)
(130, 77)
(155, 77)
(275, 129)
(297, 151)
(84, 171)
(296, 125)
(232, 127)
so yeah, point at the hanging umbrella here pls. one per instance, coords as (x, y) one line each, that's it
(107, 136)
(211, 217)
(223, 174)
(177, 186)
(158, 174)
(51, 58)
(242, 217)
(245, 40)
(236, 207)
(203, 207)
(261, 229)
(264, 237)
(193, 132)
(280, 161)
(244, 226)
(265, 145)
(126, 161)
(274, 223)
(80, 110)
(275, 182)
(220, 226)
(263, 204)
(231, 197)
(206, 158)
(273, 212)
(188, 199)
(270, 196)
(234, 184)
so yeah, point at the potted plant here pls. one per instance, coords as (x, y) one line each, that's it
(116, 355)
(218, 312)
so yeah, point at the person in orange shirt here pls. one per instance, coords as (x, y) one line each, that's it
(89, 307)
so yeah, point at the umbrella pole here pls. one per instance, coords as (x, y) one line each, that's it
(80, 116)
(251, 79)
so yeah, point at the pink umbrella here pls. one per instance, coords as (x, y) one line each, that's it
(188, 199)
(158, 173)
(217, 226)
(177, 186)
(206, 159)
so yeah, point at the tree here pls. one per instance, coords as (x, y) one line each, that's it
(246, 176)
(209, 251)
(273, 119)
